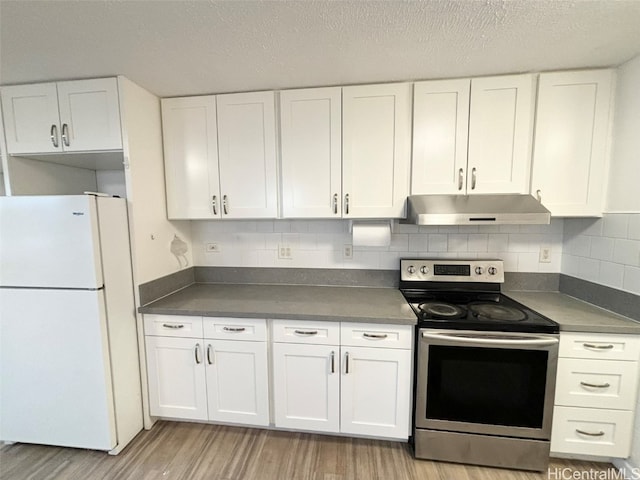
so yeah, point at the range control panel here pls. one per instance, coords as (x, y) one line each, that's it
(445, 270)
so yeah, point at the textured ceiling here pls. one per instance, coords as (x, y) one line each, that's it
(194, 47)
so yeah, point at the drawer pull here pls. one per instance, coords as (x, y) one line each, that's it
(590, 434)
(598, 347)
(175, 327)
(234, 329)
(306, 332)
(594, 385)
(375, 336)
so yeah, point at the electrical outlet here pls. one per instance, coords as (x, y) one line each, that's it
(284, 251)
(213, 248)
(545, 254)
(348, 251)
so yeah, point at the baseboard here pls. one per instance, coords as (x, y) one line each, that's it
(628, 469)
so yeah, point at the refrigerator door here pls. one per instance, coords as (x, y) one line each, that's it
(55, 374)
(49, 242)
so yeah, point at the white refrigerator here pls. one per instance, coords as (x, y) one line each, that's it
(69, 365)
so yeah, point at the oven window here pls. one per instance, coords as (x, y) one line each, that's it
(494, 386)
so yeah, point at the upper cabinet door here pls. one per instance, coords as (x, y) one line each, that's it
(89, 115)
(310, 126)
(500, 127)
(440, 133)
(571, 148)
(190, 138)
(247, 155)
(31, 121)
(376, 150)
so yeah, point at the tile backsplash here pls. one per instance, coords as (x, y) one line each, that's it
(321, 244)
(604, 250)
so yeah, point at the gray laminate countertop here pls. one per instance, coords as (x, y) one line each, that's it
(575, 315)
(298, 302)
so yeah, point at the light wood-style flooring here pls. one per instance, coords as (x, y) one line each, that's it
(173, 450)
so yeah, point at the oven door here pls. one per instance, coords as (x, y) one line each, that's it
(494, 383)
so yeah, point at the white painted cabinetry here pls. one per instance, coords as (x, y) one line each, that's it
(376, 150)
(311, 154)
(207, 368)
(596, 390)
(472, 136)
(220, 156)
(72, 116)
(571, 144)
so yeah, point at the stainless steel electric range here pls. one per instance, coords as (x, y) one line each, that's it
(485, 367)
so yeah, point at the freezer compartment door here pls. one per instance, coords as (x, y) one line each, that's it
(55, 374)
(49, 242)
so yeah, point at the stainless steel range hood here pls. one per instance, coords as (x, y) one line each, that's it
(475, 210)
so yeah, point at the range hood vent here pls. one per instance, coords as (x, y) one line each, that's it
(475, 210)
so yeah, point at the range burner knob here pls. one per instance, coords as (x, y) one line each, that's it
(492, 270)
(479, 270)
(424, 269)
(411, 269)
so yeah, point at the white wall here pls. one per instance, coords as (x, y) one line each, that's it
(320, 244)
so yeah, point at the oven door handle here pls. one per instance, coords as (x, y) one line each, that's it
(493, 339)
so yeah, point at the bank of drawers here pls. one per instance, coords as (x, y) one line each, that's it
(596, 391)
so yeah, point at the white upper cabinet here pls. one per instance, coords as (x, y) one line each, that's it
(440, 133)
(247, 155)
(571, 145)
(191, 157)
(500, 131)
(81, 115)
(376, 150)
(311, 155)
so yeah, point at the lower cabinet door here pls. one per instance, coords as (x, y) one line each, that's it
(376, 391)
(237, 381)
(176, 373)
(306, 380)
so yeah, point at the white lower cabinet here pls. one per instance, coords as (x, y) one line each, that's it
(208, 377)
(596, 388)
(347, 388)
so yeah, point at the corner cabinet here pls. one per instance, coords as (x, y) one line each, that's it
(571, 147)
(376, 150)
(72, 116)
(220, 156)
(596, 391)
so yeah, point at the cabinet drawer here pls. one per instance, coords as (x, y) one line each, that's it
(317, 333)
(376, 335)
(235, 328)
(173, 326)
(596, 383)
(605, 433)
(603, 346)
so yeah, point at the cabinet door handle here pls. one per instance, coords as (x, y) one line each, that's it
(539, 195)
(460, 178)
(473, 178)
(598, 347)
(209, 357)
(346, 204)
(234, 329)
(65, 134)
(175, 327)
(54, 135)
(375, 336)
(333, 362)
(197, 354)
(306, 332)
(346, 362)
(214, 204)
(590, 434)
(595, 385)
(335, 203)
(225, 205)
